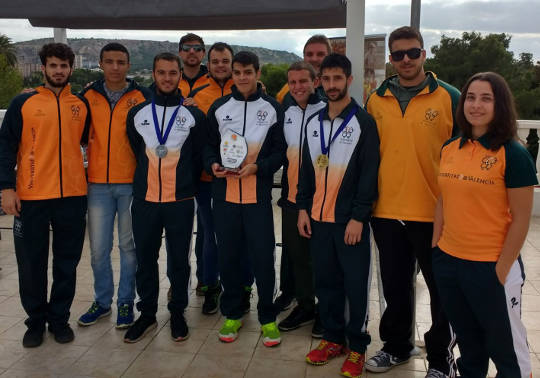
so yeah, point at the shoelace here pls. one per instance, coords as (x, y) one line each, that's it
(381, 357)
(354, 357)
(93, 308)
(229, 323)
(123, 310)
(322, 345)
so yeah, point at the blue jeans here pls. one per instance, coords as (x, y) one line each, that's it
(104, 202)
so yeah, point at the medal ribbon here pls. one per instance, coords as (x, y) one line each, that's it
(163, 139)
(324, 149)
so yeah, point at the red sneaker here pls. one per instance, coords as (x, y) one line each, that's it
(324, 352)
(353, 365)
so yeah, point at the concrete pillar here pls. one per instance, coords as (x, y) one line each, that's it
(60, 35)
(355, 45)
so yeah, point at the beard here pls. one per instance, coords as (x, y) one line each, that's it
(55, 84)
(340, 96)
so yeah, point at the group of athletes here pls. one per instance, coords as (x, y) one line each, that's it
(440, 178)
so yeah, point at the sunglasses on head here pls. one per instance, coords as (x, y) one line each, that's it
(413, 53)
(197, 48)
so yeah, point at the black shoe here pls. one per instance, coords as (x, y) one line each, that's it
(179, 328)
(317, 331)
(211, 299)
(62, 334)
(199, 289)
(246, 301)
(283, 302)
(140, 328)
(296, 319)
(33, 337)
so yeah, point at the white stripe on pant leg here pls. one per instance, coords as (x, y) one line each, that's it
(512, 289)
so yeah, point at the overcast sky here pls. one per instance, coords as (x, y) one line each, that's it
(519, 18)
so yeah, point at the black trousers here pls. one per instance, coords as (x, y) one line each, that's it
(400, 245)
(296, 266)
(245, 229)
(485, 315)
(67, 216)
(149, 219)
(342, 273)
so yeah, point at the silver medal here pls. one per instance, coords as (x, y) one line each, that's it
(161, 151)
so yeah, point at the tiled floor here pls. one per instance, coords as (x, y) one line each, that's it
(98, 351)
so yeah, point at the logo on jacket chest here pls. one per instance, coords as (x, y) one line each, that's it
(75, 112)
(262, 116)
(346, 135)
(488, 162)
(180, 123)
(431, 117)
(131, 102)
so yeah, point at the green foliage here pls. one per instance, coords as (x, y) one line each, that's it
(81, 77)
(34, 80)
(457, 59)
(8, 50)
(11, 82)
(274, 76)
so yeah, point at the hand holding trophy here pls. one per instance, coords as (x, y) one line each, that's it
(233, 149)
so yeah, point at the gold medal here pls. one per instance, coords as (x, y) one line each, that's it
(322, 161)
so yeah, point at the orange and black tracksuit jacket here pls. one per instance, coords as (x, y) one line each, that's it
(260, 120)
(175, 176)
(294, 130)
(110, 158)
(201, 79)
(42, 134)
(347, 187)
(410, 148)
(204, 97)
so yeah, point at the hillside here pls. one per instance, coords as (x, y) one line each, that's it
(141, 51)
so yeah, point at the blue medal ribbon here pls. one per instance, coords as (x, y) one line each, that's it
(324, 148)
(163, 139)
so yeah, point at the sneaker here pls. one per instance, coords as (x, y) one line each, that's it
(317, 331)
(283, 302)
(140, 328)
(33, 337)
(271, 336)
(211, 299)
(324, 352)
(434, 373)
(246, 301)
(179, 328)
(353, 365)
(229, 332)
(383, 361)
(94, 313)
(62, 334)
(198, 290)
(125, 318)
(296, 319)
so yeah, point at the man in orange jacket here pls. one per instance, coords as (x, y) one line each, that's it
(41, 134)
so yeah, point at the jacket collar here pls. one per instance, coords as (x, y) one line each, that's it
(344, 112)
(253, 97)
(484, 140)
(432, 84)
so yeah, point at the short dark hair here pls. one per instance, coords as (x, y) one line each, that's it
(301, 65)
(246, 58)
(405, 32)
(335, 60)
(113, 46)
(220, 46)
(190, 37)
(167, 56)
(503, 127)
(58, 50)
(319, 38)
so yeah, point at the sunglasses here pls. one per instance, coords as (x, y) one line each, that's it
(197, 48)
(413, 53)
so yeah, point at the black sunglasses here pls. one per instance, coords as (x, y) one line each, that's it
(413, 53)
(197, 48)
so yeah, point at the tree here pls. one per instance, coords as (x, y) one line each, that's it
(274, 76)
(456, 59)
(8, 50)
(11, 82)
(81, 77)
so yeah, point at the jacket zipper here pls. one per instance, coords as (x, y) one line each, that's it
(300, 145)
(60, 144)
(159, 163)
(109, 138)
(243, 132)
(326, 173)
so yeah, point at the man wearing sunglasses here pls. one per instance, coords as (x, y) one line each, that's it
(414, 114)
(194, 74)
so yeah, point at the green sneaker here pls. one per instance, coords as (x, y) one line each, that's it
(271, 335)
(229, 332)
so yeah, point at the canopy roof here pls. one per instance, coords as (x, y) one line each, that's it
(180, 14)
